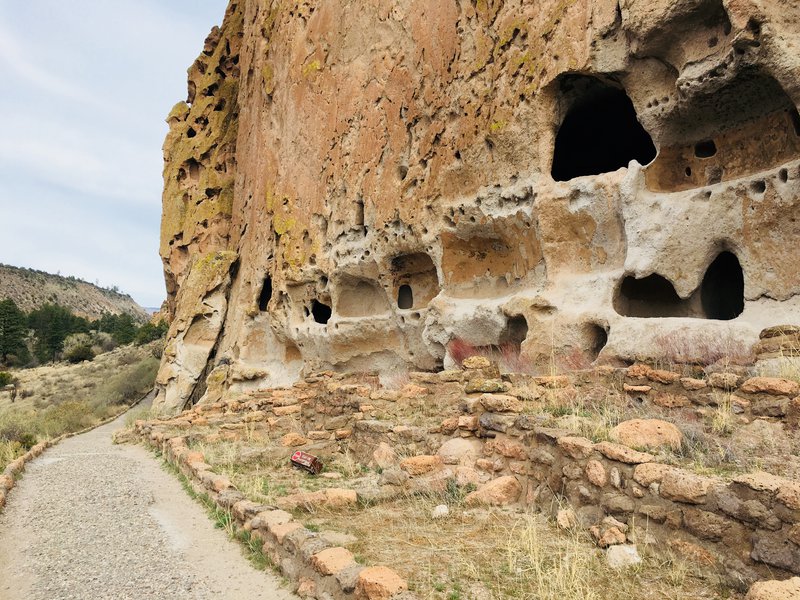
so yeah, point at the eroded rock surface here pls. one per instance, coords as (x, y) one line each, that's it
(612, 179)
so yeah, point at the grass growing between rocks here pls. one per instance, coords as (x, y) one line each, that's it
(59, 399)
(492, 554)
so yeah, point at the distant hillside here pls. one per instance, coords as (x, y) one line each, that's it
(30, 289)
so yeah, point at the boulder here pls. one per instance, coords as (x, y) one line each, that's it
(647, 433)
(498, 492)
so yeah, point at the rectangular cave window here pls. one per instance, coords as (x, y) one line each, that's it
(405, 297)
(266, 294)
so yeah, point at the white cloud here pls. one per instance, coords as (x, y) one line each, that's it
(87, 87)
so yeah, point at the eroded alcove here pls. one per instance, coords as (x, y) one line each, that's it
(747, 126)
(600, 131)
(415, 280)
(720, 295)
(358, 297)
(651, 296)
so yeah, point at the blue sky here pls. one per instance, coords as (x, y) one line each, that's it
(86, 85)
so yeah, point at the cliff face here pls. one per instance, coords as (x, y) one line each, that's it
(355, 185)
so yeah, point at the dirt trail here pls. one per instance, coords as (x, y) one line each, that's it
(92, 520)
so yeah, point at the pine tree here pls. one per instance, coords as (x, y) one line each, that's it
(12, 331)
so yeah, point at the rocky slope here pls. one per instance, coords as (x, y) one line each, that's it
(31, 289)
(357, 186)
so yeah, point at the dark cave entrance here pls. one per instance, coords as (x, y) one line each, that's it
(405, 297)
(651, 296)
(266, 294)
(321, 312)
(722, 290)
(600, 132)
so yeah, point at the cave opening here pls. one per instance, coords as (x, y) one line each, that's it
(598, 338)
(722, 290)
(415, 280)
(405, 297)
(515, 331)
(321, 312)
(600, 133)
(266, 294)
(651, 296)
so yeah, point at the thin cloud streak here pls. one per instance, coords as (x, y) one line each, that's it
(88, 86)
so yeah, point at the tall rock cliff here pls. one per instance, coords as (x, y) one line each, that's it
(353, 185)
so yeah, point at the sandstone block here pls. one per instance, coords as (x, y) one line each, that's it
(384, 456)
(419, 465)
(459, 451)
(648, 473)
(623, 555)
(378, 583)
(622, 453)
(647, 433)
(501, 403)
(498, 492)
(293, 439)
(332, 560)
(723, 381)
(671, 400)
(596, 473)
(480, 385)
(682, 486)
(576, 447)
(775, 386)
(282, 411)
(692, 385)
(775, 590)
(468, 423)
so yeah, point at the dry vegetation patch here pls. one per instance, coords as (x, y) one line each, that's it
(62, 398)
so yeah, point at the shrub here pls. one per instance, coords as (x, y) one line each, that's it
(131, 384)
(80, 353)
(150, 332)
(460, 350)
(6, 378)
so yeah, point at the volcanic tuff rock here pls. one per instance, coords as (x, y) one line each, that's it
(374, 180)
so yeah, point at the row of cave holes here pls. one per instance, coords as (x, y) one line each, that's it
(601, 133)
(321, 311)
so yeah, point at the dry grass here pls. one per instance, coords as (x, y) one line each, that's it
(497, 555)
(62, 398)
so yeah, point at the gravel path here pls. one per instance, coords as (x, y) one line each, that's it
(92, 520)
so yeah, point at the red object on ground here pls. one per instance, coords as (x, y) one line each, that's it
(307, 462)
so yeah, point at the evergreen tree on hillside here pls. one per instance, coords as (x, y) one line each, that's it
(51, 325)
(12, 332)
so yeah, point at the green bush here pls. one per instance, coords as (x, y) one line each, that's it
(150, 332)
(6, 378)
(79, 353)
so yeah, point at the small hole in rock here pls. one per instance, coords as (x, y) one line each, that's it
(705, 149)
(190, 133)
(688, 171)
(759, 187)
(783, 175)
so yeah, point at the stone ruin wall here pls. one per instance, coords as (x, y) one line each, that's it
(356, 185)
(744, 528)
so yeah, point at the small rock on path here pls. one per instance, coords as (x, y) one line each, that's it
(91, 520)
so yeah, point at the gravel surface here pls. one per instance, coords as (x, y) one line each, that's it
(92, 520)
